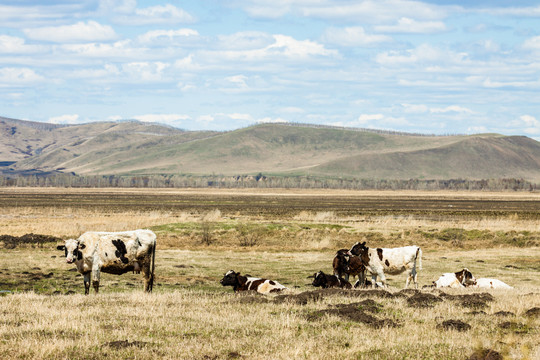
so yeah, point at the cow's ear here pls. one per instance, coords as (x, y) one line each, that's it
(364, 243)
(61, 247)
(82, 246)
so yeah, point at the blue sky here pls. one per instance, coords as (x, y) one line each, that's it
(437, 67)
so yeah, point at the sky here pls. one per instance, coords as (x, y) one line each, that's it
(431, 67)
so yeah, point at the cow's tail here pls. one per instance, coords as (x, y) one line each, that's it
(419, 258)
(152, 267)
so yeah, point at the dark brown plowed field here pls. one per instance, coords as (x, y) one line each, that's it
(279, 206)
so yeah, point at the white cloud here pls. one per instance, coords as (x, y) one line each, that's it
(238, 80)
(17, 45)
(293, 48)
(10, 76)
(532, 43)
(117, 50)
(366, 118)
(79, 32)
(373, 11)
(528, 124)
(407, 25)
(476, 129)
(167, 36)
(424, 53)
(159, 14)
(65, 119)
(245, 40)
(451, 108)
(144, 71)
(352, 36)
(170, 119)
(415, 108)
(421, 109)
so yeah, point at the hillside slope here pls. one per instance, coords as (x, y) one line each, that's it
(135, 148)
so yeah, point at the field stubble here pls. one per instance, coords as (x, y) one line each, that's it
(191, 316)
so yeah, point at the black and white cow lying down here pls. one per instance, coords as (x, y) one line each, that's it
(381, 261)
(326, 281)
(113, 253)
(244, 283)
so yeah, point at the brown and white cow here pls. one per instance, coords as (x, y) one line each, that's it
(244, 283)
(113, 253)
(346, 265)
(329, 281)
(458, 279)
(381, 261)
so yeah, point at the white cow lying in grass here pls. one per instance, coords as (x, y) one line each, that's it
(485, 283)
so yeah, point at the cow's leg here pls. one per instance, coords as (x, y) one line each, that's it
(86, 283)
(95, 277)
(148, 277)
(373, 281)
(346, 277)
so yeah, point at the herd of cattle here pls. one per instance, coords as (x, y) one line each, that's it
(121, 252)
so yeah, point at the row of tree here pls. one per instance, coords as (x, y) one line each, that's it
(262, 181)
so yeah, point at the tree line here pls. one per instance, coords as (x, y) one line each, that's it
(262, 181)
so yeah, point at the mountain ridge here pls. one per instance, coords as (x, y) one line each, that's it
(138, 148)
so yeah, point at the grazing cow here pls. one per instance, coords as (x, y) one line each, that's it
(330, 281)
(455, 280)
(485, 283)
(243, 283)
(346, 265)
(113, 253)
(390, 261)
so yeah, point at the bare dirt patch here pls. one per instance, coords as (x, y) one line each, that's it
(423, 300)
(485, 354)
(356, 312)
(454, 325)
(11, 242)
(120, 344)
(533, 312)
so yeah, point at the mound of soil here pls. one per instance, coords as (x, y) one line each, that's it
(477, 312)
(454, 325)
(250, 297)
(301, 299)
(365, 305)
(504, 313)
(516, 327)
(423, 300)
(485, 354)
(356, 312)
(474, 301)
(316, 295)
(533, 312)
(124, 344)
(11, 242)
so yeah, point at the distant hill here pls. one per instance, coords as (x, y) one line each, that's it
(137, 148)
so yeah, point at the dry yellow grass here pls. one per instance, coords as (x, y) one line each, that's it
(190, 316)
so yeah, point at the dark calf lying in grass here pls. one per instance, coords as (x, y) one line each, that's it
(330, 281)
(243, 283)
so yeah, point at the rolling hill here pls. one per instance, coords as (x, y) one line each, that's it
(136, 148)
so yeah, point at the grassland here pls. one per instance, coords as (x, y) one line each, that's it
(284, 235)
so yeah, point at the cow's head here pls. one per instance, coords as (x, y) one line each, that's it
(465, 277)
(358, 249)
(72, 249)
(230, 279)
(319, 279)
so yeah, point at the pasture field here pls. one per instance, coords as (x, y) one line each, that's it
(282, 235)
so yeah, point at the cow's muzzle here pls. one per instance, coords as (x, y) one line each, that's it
(69, 261)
